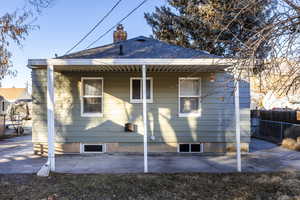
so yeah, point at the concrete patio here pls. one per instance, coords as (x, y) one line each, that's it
(16, 157)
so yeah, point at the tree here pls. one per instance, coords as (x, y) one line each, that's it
(263, 36)
(14, 27)
(217, 26)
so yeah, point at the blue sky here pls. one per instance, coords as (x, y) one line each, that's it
(65, 22)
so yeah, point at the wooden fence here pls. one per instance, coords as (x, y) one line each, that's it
(275, 125)
(279, 116)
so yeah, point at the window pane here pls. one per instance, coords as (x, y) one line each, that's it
(92, 105)
(92, 87)
(189, 104)
(184, 148)
(136, 89)
(93, 148)
(148, 89)
(189, 87)
(195, 148)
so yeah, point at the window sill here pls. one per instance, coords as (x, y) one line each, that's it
(141, 101)
(92, 115)
(189, 115)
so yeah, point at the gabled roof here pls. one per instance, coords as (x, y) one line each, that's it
(14, 94)
(139, 47)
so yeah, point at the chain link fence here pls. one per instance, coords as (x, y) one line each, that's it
(274, 131)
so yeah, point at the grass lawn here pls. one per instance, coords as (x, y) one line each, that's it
(260, 186)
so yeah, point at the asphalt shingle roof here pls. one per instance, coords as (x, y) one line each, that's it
(139, 47)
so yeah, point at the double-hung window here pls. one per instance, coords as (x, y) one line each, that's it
(189, 96)
(136, 90)
(91, 96)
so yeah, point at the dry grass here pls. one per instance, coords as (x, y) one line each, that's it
(152, 186)
(297, 147)
(292, 144)
(289, 143)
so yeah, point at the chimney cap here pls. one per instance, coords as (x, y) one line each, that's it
(120, 27)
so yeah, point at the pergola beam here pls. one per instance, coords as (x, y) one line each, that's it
(138, 62)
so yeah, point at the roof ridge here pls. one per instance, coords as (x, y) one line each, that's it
(152, 48)
(113, 43)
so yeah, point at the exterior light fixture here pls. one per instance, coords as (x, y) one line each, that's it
(212, 77)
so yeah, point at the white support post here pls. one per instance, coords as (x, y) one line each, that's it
(50, 116)
(145, 118)
(237, 124)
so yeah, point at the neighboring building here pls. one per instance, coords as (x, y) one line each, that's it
(98, 100)
(277, 87)
(13, 95)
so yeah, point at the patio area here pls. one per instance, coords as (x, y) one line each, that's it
(16, 157)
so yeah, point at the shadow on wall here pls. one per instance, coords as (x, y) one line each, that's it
(39, 105)
(216, 123)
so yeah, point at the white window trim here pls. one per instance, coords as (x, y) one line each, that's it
(196, 114)
(151, 90)
(201, 147)
(83, 144)
(100, 114)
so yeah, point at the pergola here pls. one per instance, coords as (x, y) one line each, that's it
(131, 65)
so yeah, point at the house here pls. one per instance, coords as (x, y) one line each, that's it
(137, 95)
(12, 95)
(277, 86)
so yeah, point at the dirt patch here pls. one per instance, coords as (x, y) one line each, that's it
(152, 186)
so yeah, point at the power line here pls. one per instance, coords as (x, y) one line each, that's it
(99, 22)
(100, 37)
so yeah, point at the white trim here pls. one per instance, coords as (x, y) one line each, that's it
(50, 117)
(144, 90)
(100, 114)
(141, 90)
(194, 114)
(201, 147)
(147, 61)
(237, 124)
(189, 114)
(83, 144)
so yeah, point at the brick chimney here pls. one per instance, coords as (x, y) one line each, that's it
(120, 34)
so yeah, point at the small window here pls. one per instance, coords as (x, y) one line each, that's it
(195, 148)
(92, 96)
(189, 96)
(184, 148)
(92, 148)
(136, 90)
(190, 148)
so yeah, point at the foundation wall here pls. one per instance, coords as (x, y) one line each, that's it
(65, 148)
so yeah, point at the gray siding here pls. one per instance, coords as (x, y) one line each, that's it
(216, 123)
